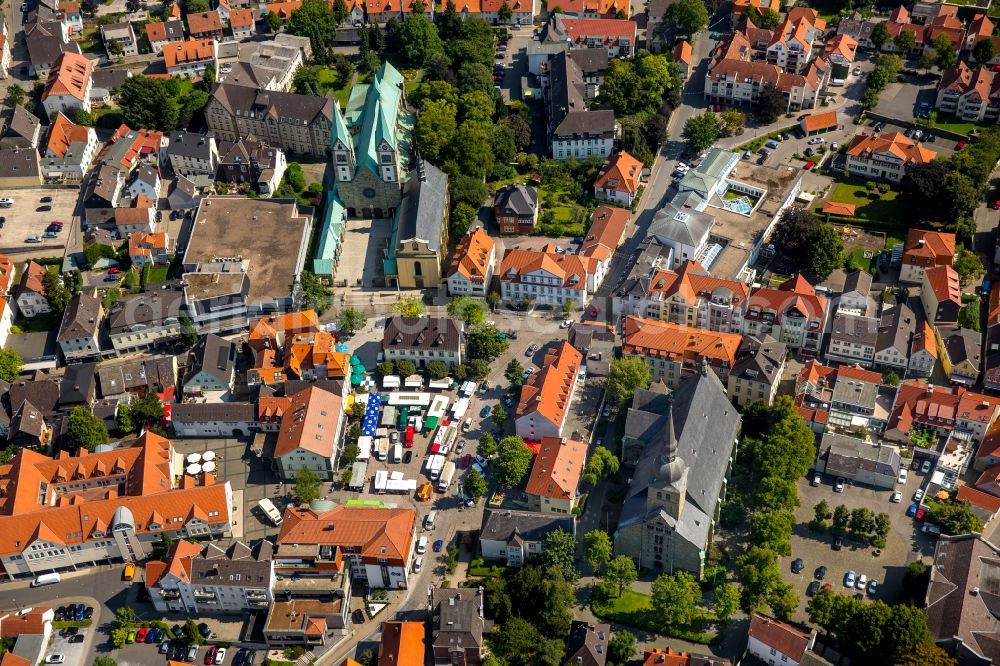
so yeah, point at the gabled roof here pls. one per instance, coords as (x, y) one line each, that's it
(204, 22)
(472, 256)
(213, 355)
(620, 173)
(569, 269)
(191, 51)
(439, 333)
(784, 638)
(936, 246)
(682, 52)
(385, 533)
(31, 279)
(310, 424)
(892, 144)
(241, 18)
(547, 392)
(163, 31)
(82, 318)
(607, 228)
(820, 121)
(402, 643)
(681, 344)
(63, 133)
(516, 200)
(70, 75)
(557, 468)
(943, 281)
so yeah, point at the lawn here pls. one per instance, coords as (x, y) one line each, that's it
(856, 260)
(887, 209)
(155, 275)
(560, 215)
(958, 127)
(37, 324)
(108, 118)
(636, 610)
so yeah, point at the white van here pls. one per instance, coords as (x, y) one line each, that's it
(49, 579)
(429, 520)
(271, 511)
(397, 453)
(421, 545)
(418, 564)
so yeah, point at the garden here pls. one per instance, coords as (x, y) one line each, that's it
(876, 203)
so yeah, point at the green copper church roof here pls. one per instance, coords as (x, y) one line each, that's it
(374, 107)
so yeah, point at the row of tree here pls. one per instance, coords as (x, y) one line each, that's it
(861, 524)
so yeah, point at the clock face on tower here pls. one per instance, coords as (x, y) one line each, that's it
(369, 192)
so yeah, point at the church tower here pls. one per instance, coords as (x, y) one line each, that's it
(669, 486)
(342, 147)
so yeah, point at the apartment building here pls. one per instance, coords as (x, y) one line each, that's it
(757, 370)
(423, 339)
(190, 58)
(693, 297)
(924, 249)
(69, 150)
(792, 314)
(885, 156)
(470, 271)
(310, 434)
(618, 180)
(547, 395)
(544, 277)
(68, 85)
(80, 328)
(141, 321)
(121, 34)
(191, 154)
(555, 475)
(972, 95)
(673, 351)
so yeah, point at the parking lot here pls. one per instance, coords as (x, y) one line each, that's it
(142, 654)
(75, 653)
(904, 545)
(24, 219)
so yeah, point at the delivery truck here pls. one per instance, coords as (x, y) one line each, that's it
(397, 454)
(447, 474)
(435, 463)
(45, 579)
(271, 511)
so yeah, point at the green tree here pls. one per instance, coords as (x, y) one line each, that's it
(84, 117)
(10, 365)
(484, 342)
(469, 190)
(470, 310)
(827, 251)
(768, 20)
(386, 368)
(477, 105)
(513, 461)
(340, 11)
(307, 486)
(968, 316)
(189, 334)
(625, 376)
(621, 648)
(984, 51)
(727, 601)
(675, 596)
(969, 267)
(560, 554)
(472, 148)
(350, 454)
(191, 634)
(499, 416)
(15, 95)
(953, 517)
(841, 519)
(771, 103)
(313, 294)
(118, 636)
(904, 41)
(463, 216)
(926, 654)
(505, 12)
(773, 530)
(150, 103)
(315, 19)
(946, 55)
(891, 379)
(475, 485)
(880, 35)
(358, 410)
(123, 419)
(405, 368)
(691, 16)
(437, 369)
(435, 128)
(784, 602)
(758, 570)
(350, 320)
(84, 430)
(514, 372)
(700, 132)
(56, 293)
(569, 306)
(621, 573)
(418, 40)
(597, 548)
(273, 22)
(776, 493)
(409, 307)
(487, 445)
(147, 409)
(478, 368)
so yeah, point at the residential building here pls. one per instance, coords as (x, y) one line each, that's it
(69, 150)
(605, 235)
(293, 346)
(546, 395)
(941, 295)
(73, 15)
(855, 298)
(757, 370)
(941, 410)
(740, 8)
(214, 419)
(310, 433)
(516, 209)
(241, 22)
(853, 339)
(923, 351)
(840, 51)
(423, 339)
(573, 129)
(149, 249)
(164, 33)
(145, 182)
(27, 633)
(19, 129)
(232, 272)
(196, 580)
(138, 218)
(369, 142)
(682, 56)
(68, 85)
(515, 537)
(858, 461)
(656, 656)
(211, 366)
(142, 321)
(374, 545)
(81, 324)
(470, 271)
(191, 154)
(924, 249)
(252, 162)
(420, 231)
(121, 34)
(897, 327)
(693, 297)
(684, 231)
(668, 515)
(458, 627)
(596, 342)
(189, 59)
(588, 643)
(46, 34)
(674, 351)
(182, 195)
(523, 12)
(306, 622)
(274, 61)
(961, 619)
(545, 277)
(618, 180)
(962, 358)
(555, 475)
(402, 643)
(791, 45)
(19, 168)
(106, 527)
(205, 25)
(618, 36)
(792, 314)
(857, 27)
(30, 292)
(777, 643)
(819, 123)
(969, 94)
(885, 156)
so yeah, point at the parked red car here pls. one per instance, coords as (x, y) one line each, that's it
(920, 515)
(466, 460)
(114, 271)
(961, 144)
(809, 166)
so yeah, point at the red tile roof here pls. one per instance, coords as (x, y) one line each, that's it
(372, 532)
(784, 638)
(204, 22)
(609, 30)
(907, 150)
(838, 208)
(607, 228)
(570, 269)
(241, 18)
(620, 173)
(936, 248)
(472, 256)
(943, 281)
(402, 643)
(31, 623)
(978, 498)
(557, 468)
(63, 132)
(70, 75)
(310, 423)
(820, 121)
(681, 344)
(547, 392)
(191, 51)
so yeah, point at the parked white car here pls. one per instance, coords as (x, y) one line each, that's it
(902, 477)
(816, 140)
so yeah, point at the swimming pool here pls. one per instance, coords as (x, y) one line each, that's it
(741, 205)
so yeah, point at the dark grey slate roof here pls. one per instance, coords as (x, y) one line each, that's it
(859, 281)
(590, 61)
(214, 355)
(199, 412)
(855, 329)
(43, 393)
(458, 620)
(276, 104)
(78, 384)
(588, 643)
(962, 344)
(896, 329)
(846, 456)
(422, 211)
(144, 310)
(519, 200)
(18, 162)
(239, 566)
(422, 333)
(760, 359)
(586, 123)
(705, 426)
(81, 319)
(530, 525)
(191, 145)
(44, 42)
(20, 128)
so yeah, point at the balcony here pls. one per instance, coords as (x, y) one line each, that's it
(204, 596)
(170, 595)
